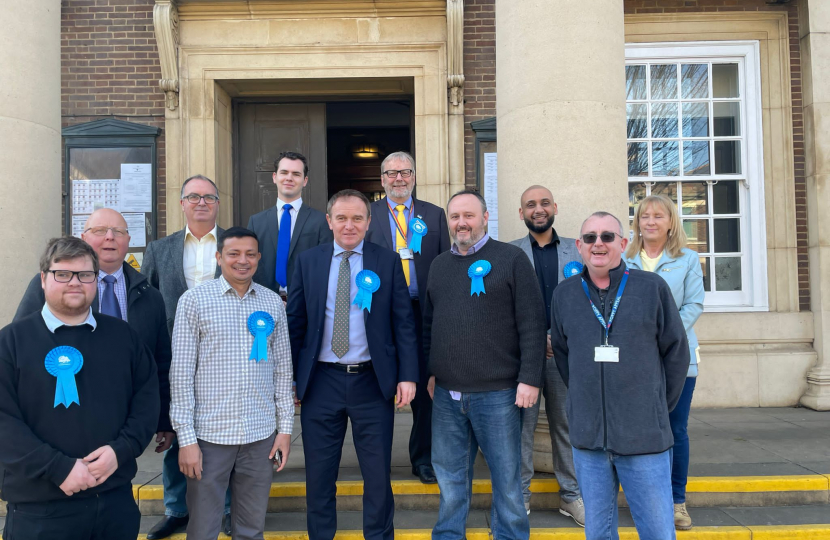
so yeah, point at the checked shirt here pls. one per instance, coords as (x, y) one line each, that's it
(218, 395)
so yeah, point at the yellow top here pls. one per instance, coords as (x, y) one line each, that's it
(649, 264)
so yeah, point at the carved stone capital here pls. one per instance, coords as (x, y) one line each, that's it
(166, 25)
(455, 51)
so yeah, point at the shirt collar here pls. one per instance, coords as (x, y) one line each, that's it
(53, 323)
(338, 250)
(295, 205)
(118, 274)
(475, 249)
(188, 234)
(224, 286)
(553, 241)
(393, 204)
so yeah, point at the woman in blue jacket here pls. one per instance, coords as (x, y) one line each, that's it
(659, 245)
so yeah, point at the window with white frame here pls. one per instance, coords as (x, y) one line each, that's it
(694, 134)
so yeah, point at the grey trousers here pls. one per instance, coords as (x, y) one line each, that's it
(249, 471)
(555, 393)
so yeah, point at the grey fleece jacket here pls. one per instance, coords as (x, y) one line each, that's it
(620, 407)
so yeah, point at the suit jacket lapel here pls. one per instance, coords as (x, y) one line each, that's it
(384, 224)
(177, 256)
(320, 281)
(218, 271)
(370, 262)
(528, 249)
(302, 217)
(567, 252)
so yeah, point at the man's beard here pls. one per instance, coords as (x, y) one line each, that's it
(474, 239)
(540, 228)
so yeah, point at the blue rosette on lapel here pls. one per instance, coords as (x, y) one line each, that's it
(573, 268)
(64, 363)
(367, 283)
(260, 324)
(419, 230)
(477, 271)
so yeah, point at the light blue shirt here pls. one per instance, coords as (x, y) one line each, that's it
(120, 287)
(358, 344)
(475, 249)
(413, 279)
(53, 323)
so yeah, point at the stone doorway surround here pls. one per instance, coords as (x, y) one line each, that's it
(211, 52)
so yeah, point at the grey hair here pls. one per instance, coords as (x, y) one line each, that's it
(199, 177)
(602, 214)
(397, 155)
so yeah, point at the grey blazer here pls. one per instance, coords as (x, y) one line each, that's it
(164, 267)
(566, 250)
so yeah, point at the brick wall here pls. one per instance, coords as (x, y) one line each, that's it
(479, 73)
(110, 69)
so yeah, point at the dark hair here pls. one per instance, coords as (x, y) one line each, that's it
(349, 193)
(472, 192)
(235, 232)
(199, 177)
(293, 156)
(67, 248)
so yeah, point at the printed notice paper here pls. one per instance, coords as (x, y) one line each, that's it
(136, 187)
(137, 228)
(90, 195)
(491, 193)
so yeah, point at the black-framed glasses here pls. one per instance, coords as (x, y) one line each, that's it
(405, 173)
(65, 276)
(102, 231)
(606, 237)
(195, 198)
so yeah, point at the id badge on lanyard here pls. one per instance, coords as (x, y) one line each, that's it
(606, 352)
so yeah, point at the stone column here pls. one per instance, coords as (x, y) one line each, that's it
(815, 58)
(560, 82)
(30, 139)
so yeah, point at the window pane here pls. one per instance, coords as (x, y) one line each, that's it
(725, 80)
(695, 120)
(728, 273)
(664, 120)
(635, 82)
(695, 198)
(664, 81)
(727, 235)
(695, 80)
(725, 197)
(705, 267)
(665, 160)
(695, 157)
(637, 116)
(636, 193)
(727, 157)
(637, 159)
(697, 234)
(727, 118)
(669, 189)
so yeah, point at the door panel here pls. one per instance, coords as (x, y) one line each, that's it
(266, 130)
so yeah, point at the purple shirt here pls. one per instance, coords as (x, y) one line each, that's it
(476, 248)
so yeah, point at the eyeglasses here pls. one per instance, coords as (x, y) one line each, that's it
(195, 198)
(65, 276)
(118, 232)
(606, 237)
(405, 173)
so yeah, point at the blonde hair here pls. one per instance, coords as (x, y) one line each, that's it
(677, 236)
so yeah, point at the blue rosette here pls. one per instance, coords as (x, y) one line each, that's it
(260, 324)
(419, 230)
(367, 283)
(573, 268)
(64, 363)
(477, 271)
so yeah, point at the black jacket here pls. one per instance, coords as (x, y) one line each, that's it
(145, 314)
(620, 407)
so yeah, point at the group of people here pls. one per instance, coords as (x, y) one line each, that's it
(350, 314)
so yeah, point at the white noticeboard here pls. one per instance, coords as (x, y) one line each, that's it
(137, 228)
(491, 193)
(136, 187)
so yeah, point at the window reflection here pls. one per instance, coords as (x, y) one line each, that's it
(695, 81)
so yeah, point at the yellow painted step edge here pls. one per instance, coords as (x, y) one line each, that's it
(777, 532)
(703, 484)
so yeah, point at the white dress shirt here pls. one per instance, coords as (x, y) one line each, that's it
(295, 209)
(358, 344)
(199, 261)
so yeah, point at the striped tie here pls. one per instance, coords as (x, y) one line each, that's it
(400, 239)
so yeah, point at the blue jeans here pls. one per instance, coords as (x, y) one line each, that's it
(490, 420)
(646, 480)
(175, 485)
(679, 420)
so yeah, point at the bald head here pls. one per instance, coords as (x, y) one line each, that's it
(106, 231)
(531, 191)
(107, 217)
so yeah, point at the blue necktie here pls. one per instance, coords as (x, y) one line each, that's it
(109, 302)
(283, 245)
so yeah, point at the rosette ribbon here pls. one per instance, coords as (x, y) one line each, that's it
(419, 230)
(477, 271)
(367, 283)
(573, 268)
(64, 363)
(260, 324)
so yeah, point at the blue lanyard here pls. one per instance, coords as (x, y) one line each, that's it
(607, 326)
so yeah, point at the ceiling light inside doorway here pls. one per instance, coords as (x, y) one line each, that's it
(365, 151)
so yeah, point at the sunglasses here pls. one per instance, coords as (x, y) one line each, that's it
(606, 237)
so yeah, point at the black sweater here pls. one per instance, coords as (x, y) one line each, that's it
(622, 407)
(119, 406)
(486, 342)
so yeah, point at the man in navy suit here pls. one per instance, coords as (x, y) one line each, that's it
(288, 228)
(393, 228)
(354, 350)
